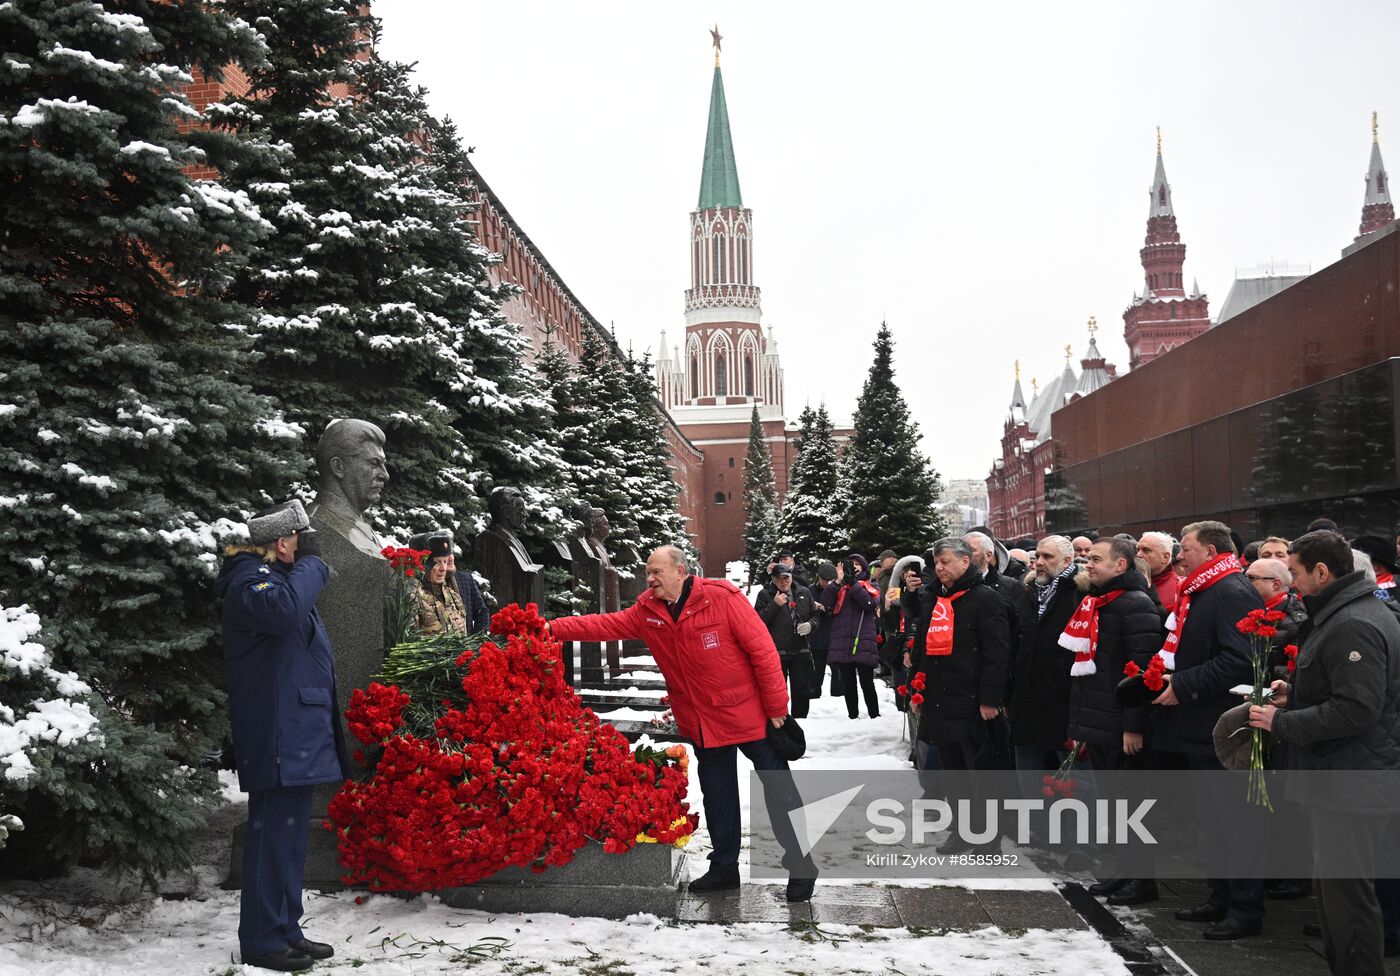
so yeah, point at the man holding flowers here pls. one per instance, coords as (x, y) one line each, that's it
(1341, 711)
(1206, 656)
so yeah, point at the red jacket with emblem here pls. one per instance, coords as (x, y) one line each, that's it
(722, 671)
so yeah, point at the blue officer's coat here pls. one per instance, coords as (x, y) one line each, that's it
(281, 674)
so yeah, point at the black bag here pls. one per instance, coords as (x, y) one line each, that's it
(789, 742)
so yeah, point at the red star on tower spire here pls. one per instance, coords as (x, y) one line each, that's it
(716, 37)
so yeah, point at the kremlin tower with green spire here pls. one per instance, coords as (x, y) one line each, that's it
(727, 366)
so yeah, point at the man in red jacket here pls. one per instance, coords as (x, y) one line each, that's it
(725, 682)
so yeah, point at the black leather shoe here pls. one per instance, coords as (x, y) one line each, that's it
(284, 960)
(316, 950)
(1138, 892)
(1312, 930)
(800, 889)
(1229, 929)
(1288, 890)
(1201, 913)
(1105, 888)
(719, 878)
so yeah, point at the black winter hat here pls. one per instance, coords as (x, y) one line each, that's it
(438, 543)
(1380, 549)
(789, 742)
(780, 570)
(826, 570)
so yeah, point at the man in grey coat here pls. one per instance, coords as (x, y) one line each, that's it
(1342, 712)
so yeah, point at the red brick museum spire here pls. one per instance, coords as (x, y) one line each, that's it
(1376, 210)
(1164, 316)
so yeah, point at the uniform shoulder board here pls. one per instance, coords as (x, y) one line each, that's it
(263, 585)
(264, 570)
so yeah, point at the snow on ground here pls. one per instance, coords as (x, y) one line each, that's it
(387, 936)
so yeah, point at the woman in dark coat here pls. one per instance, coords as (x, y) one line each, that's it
(854, 603)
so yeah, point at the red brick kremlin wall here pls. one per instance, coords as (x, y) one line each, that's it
(1337, 320)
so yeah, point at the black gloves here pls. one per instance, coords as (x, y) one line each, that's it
(308, 544)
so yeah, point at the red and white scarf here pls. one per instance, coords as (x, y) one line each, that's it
(1082, 634)
(1202, 579)
(938, 642)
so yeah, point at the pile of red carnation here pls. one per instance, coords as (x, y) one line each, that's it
(522, 774)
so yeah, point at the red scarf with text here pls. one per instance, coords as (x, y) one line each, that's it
(1273, 603)
(1082, 634)
(938, 642)
(1202, 579)
(1385, 581)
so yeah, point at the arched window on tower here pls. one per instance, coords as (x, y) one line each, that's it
(748, 374)
(1161, 196)
(718, 265)
(694, 374)
(1173, 308)
(721, 377)
(743, 245)
(1380, 182)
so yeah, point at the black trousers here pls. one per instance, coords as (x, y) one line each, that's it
(865, 675)
(1242, 898)
(797, 668)
(1352, 930)
(819, 669)
(719, 792)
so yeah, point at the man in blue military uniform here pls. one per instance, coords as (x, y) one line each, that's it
(286, 737)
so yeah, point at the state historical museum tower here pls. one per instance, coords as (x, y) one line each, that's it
(1164, 316)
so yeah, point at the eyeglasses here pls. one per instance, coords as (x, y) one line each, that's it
(1255, 579)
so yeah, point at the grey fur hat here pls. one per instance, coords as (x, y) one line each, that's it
(273, 523)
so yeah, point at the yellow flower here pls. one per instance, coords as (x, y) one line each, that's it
(644, 839)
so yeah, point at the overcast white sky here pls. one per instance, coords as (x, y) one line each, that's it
(976, 174)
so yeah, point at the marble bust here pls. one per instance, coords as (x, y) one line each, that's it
(352, 474)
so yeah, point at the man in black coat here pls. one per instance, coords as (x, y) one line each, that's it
(786, 609)
(1039, 700)
(962, 645)
(1129, 628)
(1341, 711)
(988, 556)
(1210, 657)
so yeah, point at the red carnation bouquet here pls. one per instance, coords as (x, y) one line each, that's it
(401, 603)
(1061, 782)
(914, 690)
(1261, 627)
(486, 759)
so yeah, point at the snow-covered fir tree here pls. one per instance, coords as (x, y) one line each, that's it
(592, 416)
(613, 445)
(760, 503)
(813, 520)
(649, 479)
(896, 506)
(51, 732)
(130, 443)
(374, 295)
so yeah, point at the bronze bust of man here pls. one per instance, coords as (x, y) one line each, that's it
(500, 556)
(352, 471)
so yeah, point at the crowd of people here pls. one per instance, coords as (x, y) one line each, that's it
(1016, 652)
(1022, 645)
